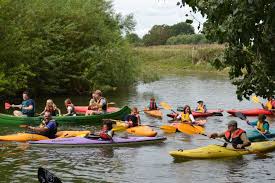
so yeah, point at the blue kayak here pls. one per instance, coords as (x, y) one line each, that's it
(254, 135)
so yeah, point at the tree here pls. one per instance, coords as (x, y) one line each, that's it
(158, 35)
(133, 38)
(248, 30)
(181, 28)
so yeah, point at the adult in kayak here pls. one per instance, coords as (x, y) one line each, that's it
(106, 132)
(234, 135)
(261, 124)
(133, 119)
(101, 103)
(27, 107)
(201, 107)
(70, 108)
(52, 108)
(270, 104)
(48, 127)
(152, 105)
(186, 116)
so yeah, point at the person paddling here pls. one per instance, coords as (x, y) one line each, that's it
(153, 104)
(27, 107)
(70, 108)
(270, 104)
(106, 132)
(101, 103)
(261, 124)
(132, 119)
(52, 108)
(186, 116)
(48, 127)
(234, 135)
(201, 107)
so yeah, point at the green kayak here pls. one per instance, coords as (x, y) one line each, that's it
(14, 120)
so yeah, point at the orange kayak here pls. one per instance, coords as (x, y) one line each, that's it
(153, 113)
(24, 137)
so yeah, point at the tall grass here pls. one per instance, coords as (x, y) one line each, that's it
(156, 61)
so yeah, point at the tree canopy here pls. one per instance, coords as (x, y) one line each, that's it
(64, 46)
(248, 30)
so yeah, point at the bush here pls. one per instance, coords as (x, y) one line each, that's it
(187, 39)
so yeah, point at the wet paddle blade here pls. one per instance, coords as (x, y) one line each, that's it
(190, 129)
(44, 176)
(255, 99)
(168, 129)
(7, 106)
(240, 115)
(165, 106)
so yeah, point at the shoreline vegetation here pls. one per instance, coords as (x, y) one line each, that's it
(158, 61)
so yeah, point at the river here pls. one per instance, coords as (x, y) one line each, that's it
(19, 163)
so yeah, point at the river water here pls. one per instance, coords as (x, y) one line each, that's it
(19, 163)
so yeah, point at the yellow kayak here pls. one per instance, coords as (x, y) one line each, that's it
(142, 130)
(217, 151)
(153, 113)
(24, 137)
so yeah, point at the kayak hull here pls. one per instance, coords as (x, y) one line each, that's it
(153, 113)
(14, 120)
(24, 137)
(216, 151)
(202, 114)
(142, 130)
(254, 135)
(84, 109)
(250, 112)
(80, 142)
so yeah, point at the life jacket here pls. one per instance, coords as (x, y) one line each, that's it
(73, 109)
(185, 117)
(273, 104)
(260, 126)
(269, 105)
(104, 106)
(153, 106)
(104, 134)
(51, 110)
(234, 138)
(200, 108)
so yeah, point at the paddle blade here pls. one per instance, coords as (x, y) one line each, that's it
(168, 129)
(44, 176)
(165, 106)
(7, 106)
(119, 128)
(190, 129)
(23, 126)
(240, 115)
(255, 99)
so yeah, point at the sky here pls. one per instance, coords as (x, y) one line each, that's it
(148, 13)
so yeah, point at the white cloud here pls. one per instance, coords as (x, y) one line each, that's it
(148, 13)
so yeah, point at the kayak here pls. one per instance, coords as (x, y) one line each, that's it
(196, 123)
(14, 120)
(142, 130)
(176, 125)
(81, 141)
(215, 112)
(84, 109)
(250, 112)
(217, 151)
(153, 113)
(24, 137)
(254, 135)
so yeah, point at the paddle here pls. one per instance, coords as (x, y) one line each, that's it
(8, 105)
(44, 176)
(167, 106)
(243, 117)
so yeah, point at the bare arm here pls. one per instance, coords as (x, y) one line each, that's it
(245, 140)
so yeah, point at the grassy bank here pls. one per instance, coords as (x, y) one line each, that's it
(156, 61)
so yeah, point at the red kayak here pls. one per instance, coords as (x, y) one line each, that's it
(250, 112)
(84, 109)
(217, 112)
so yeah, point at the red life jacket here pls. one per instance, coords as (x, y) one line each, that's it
(104, 134)
(234, 138)
(153, 106)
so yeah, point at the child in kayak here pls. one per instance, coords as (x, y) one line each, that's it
(261, 124)
(51, 107)
(133, 119)
(186, 116)
(106, 132)
(153, 104)
(270, 104)
(92, 105)
(201, 107)
(70, 108)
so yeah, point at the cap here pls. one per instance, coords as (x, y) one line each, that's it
(232, 122)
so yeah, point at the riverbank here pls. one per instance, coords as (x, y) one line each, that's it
(156, 61)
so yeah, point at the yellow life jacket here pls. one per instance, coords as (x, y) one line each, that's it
(268, 105)
(185, 117)
(200, 108)
(260, 126)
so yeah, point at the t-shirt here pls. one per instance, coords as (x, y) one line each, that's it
(52, 129)
(27, 103)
